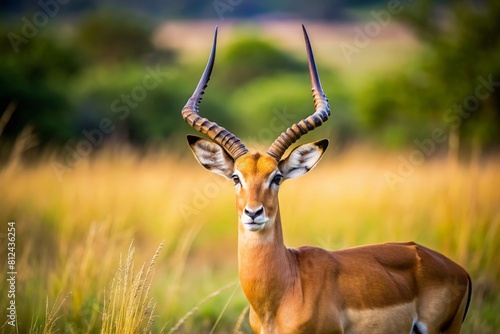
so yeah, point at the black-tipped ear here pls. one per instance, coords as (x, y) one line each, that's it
(211, 155)
(322, 144)
(193, 139)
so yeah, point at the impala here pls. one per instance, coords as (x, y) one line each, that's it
(384, 288)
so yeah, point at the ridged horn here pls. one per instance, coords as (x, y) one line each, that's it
(190, 113)
(320, 115)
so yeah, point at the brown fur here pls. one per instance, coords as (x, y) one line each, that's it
(308, 290)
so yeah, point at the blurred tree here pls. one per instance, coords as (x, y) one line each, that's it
(43, 78)
(115, 36)
(322, 10)
(453, 84)
(36, 79)
(141, 103)
(272, 104)
(197, 9)
(248, 58)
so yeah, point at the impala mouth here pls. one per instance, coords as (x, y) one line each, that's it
(254, 226)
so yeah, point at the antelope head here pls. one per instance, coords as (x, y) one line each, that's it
(257, 176)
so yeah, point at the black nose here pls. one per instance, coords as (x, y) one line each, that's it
(253, 214)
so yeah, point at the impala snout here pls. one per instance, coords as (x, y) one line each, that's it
(254, 213)
(254, 217)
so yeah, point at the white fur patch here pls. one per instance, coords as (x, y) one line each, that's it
(212, 157)
(388, 320)
(255, 238)
(301, 160)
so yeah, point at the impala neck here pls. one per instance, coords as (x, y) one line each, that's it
(266, 268)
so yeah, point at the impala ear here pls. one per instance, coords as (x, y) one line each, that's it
(302, 159)
(211, 156)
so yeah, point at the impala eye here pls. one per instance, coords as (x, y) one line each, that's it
(236, 179)
(277, 179)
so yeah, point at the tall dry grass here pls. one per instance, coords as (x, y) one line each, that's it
(70, 234)
(129, 309)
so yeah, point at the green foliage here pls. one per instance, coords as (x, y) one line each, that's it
(47, 81)
(138, 105)
(440, 87)
(248, 58)
(286, 92)
(196, 9)
(36, 78)
(111, 37)
(272, 104)
(70, 82)
(399, 107)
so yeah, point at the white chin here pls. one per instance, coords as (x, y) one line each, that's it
(254, 227)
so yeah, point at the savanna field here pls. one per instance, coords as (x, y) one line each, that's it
(86, 245)
(129, 240)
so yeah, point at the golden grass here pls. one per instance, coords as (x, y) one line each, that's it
(129, 308)
(70, 234)
(192, 311)
(51, 314)
(241, 319)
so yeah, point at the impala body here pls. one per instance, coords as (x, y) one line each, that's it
(385, 288)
